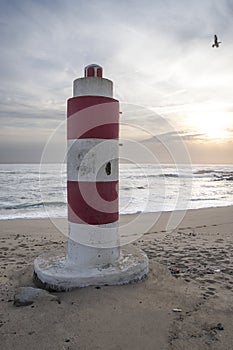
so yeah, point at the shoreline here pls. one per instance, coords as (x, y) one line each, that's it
(124, 214)
(191, 269)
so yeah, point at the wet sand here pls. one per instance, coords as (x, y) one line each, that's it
(187, 300)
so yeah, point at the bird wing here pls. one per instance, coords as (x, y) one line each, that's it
(215, 38)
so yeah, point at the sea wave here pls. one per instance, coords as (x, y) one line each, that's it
(32, 205)
(150, 189)
(203, 171)
(203, 199)
(224, 176)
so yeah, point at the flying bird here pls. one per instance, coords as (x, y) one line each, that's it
(216, 42)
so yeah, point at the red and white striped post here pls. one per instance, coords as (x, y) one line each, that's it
(93, 253)
(92, 170)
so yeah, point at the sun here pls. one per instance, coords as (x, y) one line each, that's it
(214, 130)
(211, 124)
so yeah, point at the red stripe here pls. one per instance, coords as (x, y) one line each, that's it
(90, 72)
(99, 72)
(93, 203)
(76, 104)
(92, 117)
(107, 131)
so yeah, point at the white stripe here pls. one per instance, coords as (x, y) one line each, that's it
(102, 236)
(93, 86)
(87, 160)
(93, 244)
(95, 71)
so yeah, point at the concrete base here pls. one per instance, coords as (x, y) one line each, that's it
(56, 273)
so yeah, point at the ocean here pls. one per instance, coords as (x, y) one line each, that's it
(34, 191)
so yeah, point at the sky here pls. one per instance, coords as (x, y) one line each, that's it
(175, 90)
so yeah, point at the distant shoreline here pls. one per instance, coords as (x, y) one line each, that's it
(166, 212)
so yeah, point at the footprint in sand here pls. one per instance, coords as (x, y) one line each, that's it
(226, 262)
(211, 281)
(209, 258)
(23, 245)
(209, 292)
(228, 271)
(228, 287)
(219, 240)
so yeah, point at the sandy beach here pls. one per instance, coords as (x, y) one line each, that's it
(186, 302)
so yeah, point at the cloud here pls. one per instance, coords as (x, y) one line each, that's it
(158, 54)
(175, 136)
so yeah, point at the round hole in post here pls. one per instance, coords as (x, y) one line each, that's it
(108, 168)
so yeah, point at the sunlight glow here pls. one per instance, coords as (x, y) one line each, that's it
(212, 124)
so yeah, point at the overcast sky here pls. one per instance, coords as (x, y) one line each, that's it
(168, 78)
